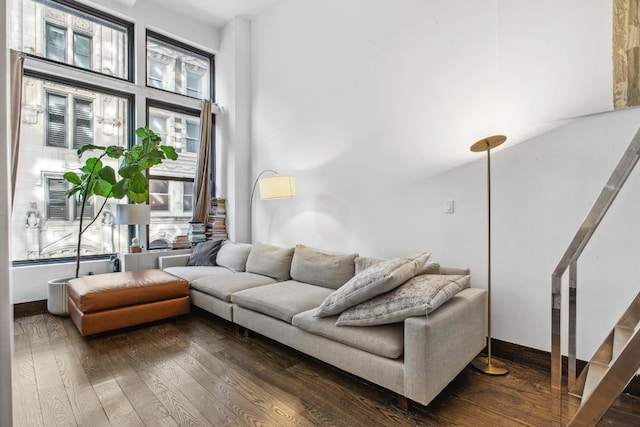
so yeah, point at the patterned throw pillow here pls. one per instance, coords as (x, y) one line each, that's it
(375, 280)
(417, 297)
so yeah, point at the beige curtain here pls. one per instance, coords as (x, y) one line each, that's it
(17, 66)
(201, 190)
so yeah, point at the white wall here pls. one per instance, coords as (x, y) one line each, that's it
(6, 309)
(30, 282)
(373, 106)
(233, 125)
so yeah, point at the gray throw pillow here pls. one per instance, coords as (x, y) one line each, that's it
(204, 254)
(272, 261)
(375, 280)
(417, 297)
(313, 266)
(233, 255)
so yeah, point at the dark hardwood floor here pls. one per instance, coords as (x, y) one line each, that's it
(195, 371)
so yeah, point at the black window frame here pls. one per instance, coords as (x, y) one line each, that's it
(193, 112)
(184, 46)
(130, 135)
(115, 22)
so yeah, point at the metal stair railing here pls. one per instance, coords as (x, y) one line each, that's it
(570, 261)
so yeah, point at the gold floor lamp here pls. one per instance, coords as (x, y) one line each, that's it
(488, 365)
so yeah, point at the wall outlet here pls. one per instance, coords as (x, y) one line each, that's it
(448, 206)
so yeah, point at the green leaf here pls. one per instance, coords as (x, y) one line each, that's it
(137, 197)
(93, 165)
(139, 184)
(102, 188)
(119, 190)
(129, 171)
(72, 177)
(170, 152)
(114, 151)
(144, 132)
(108, 174)
(73, 190)
(135, 151)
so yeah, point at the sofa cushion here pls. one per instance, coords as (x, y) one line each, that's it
(385, 340)
(316, 267)
(195, 272)
(416, 297)
(375, 280)
(204, 254)
(272, 261)
(281, 300)
(233, 255)
(222, 286)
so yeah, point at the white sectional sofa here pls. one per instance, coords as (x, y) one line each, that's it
(277, 292)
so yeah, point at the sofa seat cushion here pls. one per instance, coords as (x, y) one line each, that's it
(113, 290)
(281, 300)
(385, 340)
(222, 286)
(192, 273)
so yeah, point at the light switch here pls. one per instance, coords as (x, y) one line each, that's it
(448, 206)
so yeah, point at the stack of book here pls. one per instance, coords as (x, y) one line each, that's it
(181, 242)
(217, 227)
(196, 233)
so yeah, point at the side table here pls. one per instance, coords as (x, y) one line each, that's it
(57, 297)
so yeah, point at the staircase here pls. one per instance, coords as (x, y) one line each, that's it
(610, 370)
(618, 358)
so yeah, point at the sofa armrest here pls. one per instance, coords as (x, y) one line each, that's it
(437, 348)
(173, 261)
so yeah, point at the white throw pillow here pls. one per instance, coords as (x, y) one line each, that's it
(417, 297)
(375, 280)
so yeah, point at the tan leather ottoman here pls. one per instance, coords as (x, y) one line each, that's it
(104, 302)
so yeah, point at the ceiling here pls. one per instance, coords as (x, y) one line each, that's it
(216, 12)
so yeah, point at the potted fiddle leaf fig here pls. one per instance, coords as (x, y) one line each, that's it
(97, 179)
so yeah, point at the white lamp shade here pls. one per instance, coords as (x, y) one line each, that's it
(277, 187)
(133, 214)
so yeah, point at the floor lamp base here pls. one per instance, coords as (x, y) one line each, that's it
(496, 367)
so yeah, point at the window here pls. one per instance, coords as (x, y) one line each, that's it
(158, 124)
(83, 125)
(193, 137)
(157, 70)
(57, 114)
(74, 34)
(159, 195)
(187, 196)
(82, 50)
(176, 67)
(56, 45)
(61, 112)
(76, 114)
(172, 183)
(56, 120)
(194, 83)
(57, 203)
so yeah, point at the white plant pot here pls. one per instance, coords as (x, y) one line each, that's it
(57, 296)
